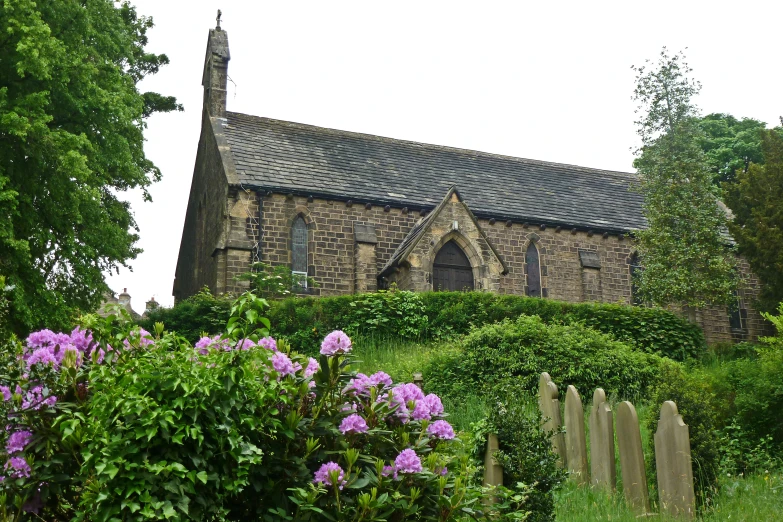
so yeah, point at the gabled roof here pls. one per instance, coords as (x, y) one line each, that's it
(418, 231)
(302, 159)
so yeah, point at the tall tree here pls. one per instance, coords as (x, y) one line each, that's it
(71, 139)
(684, 250)
(731, 144)
(756, 199)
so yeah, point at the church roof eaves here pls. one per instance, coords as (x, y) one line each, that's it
(286, 157)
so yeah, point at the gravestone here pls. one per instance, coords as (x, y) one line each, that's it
(673, 462)
(576, 447)
(629, 440)
(602, 463)
(493, 472)
(550, 410)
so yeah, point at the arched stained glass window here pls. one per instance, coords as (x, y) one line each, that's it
(533, 269)
(299, 247)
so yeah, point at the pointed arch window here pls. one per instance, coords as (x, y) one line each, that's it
(533, 269)
(299, 251)
(635, 271)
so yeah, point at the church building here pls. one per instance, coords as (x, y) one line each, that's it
(356, 213)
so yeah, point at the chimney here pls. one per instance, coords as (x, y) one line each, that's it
(215, 75)
(124, 297)
(152, 304)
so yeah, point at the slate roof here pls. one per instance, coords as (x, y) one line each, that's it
(290, 157)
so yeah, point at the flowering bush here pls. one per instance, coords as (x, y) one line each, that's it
(235, 427)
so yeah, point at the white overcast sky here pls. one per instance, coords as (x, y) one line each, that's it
(542, 80)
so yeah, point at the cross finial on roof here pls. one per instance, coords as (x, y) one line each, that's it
(218, 19)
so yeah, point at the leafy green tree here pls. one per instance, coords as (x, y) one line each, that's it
(71, 139)
(730, 144)
(755, 199)
(684, 249)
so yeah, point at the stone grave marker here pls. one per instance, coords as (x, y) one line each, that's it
(550, 410)
(576, 447)
(602, 463)
(629, 440)
(673, 462)
(493, 472)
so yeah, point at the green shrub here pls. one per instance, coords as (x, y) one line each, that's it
(523, 349)
(192, 317)
(438, 316)
(525, 449)
(691, 391)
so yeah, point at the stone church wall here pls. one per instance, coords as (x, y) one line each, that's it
(332, 255)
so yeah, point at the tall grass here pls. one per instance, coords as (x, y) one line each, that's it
(754, 498)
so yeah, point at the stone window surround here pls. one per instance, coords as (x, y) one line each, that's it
(535, 239)
(301, 211)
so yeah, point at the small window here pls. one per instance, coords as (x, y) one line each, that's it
(738, 315)
(299, 253)
(635, 270)
(533, 269)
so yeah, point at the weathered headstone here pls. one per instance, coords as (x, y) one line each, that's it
(673, 463)
(493, 472)
(629, 440)
(602, 463)
(418, 380)
(550, 410)
(576, 447)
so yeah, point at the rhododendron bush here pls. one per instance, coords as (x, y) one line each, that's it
(114, 423)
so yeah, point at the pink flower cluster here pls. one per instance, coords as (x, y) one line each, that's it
(362, 383)
(440, 429)
(336, 343)
(407, 462)
(354, 423)
(47, 348)
(410, 403)
(283, 364)
(205, 344)
(323, 475)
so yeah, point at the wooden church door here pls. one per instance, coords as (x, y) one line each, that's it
(451, 270)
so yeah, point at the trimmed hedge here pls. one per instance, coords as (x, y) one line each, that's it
(439, 315)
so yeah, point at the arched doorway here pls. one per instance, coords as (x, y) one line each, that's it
(451, 270)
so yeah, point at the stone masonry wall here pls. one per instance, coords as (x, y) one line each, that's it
(332, 255)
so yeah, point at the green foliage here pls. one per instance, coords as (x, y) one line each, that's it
(447, 315)
(683, 250)
(276, 282)
(71, 122)
(730, 144)
(525, 450)
(201, 313)
(174, 437)
(754, 199)
(755, 497)
(521, 350)
(697, 404)
(389, 312)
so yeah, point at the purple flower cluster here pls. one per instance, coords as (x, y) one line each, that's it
(312, 368)
(407, 462)
(362, 383)
(353, 424)
(18, 467)
(410, 403)
(144, 337)
(6, 391)
(322, 476)
(269, 343)
(336, 343)
(440, 429)
(205, 344)
(283, 364)
(18, 441)
(35, 398)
